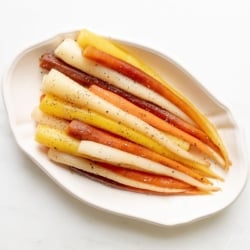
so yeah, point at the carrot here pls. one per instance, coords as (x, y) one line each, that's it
(163, 89)
(49, 61)
(122, 181)
(83, 131)
(41, 118)
(57, 139)
(113, 184)
(152, 179)
(102, 153)
(154, 121)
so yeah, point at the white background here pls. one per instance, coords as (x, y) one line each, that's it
(208, 38)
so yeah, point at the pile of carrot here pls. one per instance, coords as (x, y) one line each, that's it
(109, 115)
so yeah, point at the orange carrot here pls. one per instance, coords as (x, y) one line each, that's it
(163, 89)
(83, 131)
(114, 184)
(152, 120)
(152, 179)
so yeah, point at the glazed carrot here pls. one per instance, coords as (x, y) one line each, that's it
(163, 89)
(82, 131)
(113, 184)
(154, 121)
(48, 61)
(57, 139)
(103, 153)
(167, 116)
(152, 179)
(86, 37)
(100, 171)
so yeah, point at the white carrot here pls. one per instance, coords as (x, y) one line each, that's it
(41, 118)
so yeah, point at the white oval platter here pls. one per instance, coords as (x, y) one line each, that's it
(21, 91)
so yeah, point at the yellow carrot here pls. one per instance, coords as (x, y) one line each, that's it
(57, 139)
(86, 37)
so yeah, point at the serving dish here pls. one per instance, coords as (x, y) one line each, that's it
(21, 91)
